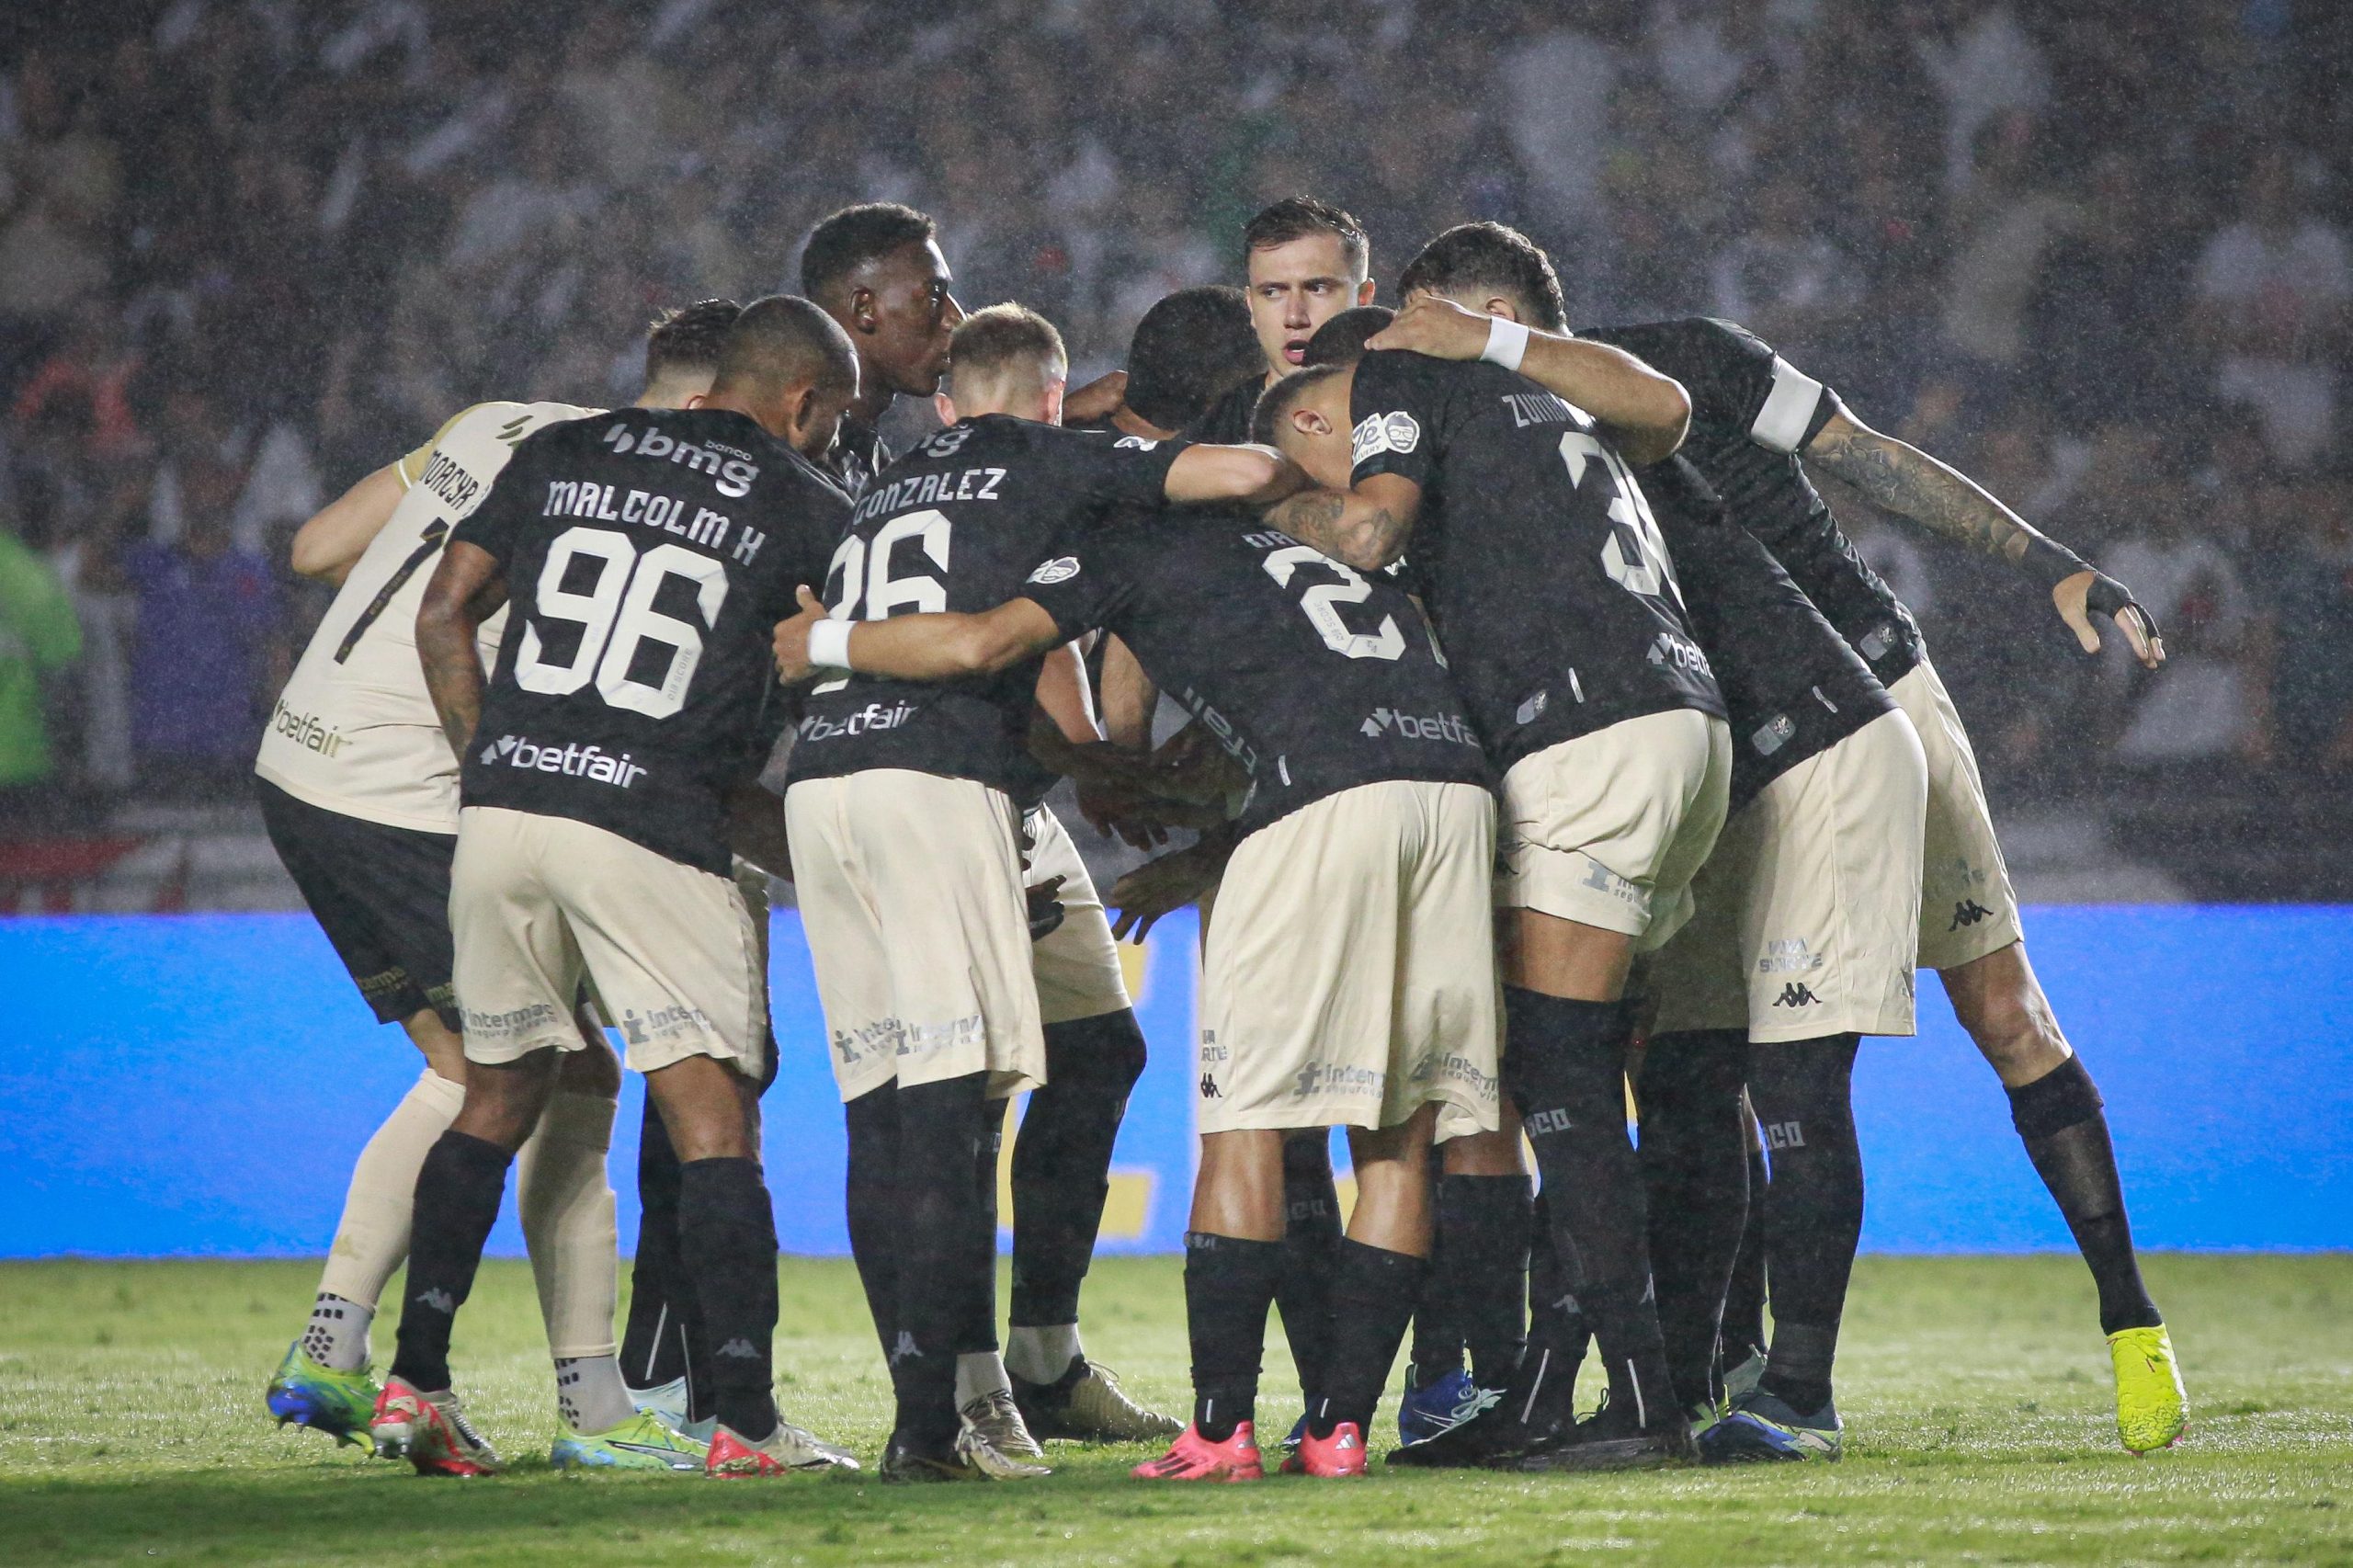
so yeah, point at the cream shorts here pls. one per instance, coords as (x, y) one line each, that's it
(910, 890)
(540, 905)
(1807, 923)
(1610, 829)
(1349, 977)
(1076, 964)
(1968, 908)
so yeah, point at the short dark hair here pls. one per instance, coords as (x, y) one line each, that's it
(1188, 349)
(1340, 341)
(1296, 218)
(1266, 420)
(685, 342)
(848, 239)
(784, 340)
(1494, 257)
(989, 341)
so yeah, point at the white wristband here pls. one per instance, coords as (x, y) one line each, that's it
(1506, 343)
(829, 645)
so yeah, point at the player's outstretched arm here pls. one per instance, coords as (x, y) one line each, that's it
(465, 590)
(1647, 414)
(1365, 525)
(1901, 478)
(328, 547)
(912, 647)
(1255, 476)
(1151, 889)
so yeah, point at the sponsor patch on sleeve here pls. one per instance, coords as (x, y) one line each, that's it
(1061, 568)
(1377, 433)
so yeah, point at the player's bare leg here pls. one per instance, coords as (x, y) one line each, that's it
(2058, 1113)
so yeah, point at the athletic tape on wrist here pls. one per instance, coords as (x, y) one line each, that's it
(2052, 561)
(829, 645)
(1506, 343)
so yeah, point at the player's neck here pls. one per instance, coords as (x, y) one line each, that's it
(874, 395)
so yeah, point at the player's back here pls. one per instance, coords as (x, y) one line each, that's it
(1537, 552)
(1316, 678)
(354, 730)
(957, 524)
(648, 554)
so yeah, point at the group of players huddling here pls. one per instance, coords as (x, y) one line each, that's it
(1547, 738)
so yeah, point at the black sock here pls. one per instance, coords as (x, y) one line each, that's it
(1813, 1207)
(2061, 1120)
(1438, 1313)
(727, 1237)
(653, 1347)
(459, 1189)
(1229, 1284)
(872, 1120)
(1542, 1393)
(976, 1277)
(1695, 1178)
(1564, 1063)
(1062, 1162)
(944, 1233)
(1310, 1231)
(1484, 1222)
(1372, 1295)
(1743, 1320)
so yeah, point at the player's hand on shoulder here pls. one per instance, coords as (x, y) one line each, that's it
(2088, 592)
(1439, 328)
(791, 641)
(1154, 888)
(1096, 400)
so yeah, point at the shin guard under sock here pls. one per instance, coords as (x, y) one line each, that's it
(727, 1235)
(1814, 1207)
(1229, 1284)
(1485, 1222)
(945, 1233)
(566, 1203)
(1742, 1328)
(458, 1192)
(1062, 1162)
(2060, 1119)
(1310, 1231)
(1695, 1178)
(371, 1236)
(1373, 1291)
(660, 1296)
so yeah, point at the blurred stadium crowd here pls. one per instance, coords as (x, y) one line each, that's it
(2094, 253)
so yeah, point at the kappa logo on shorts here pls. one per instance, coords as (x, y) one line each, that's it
(1796, 995)
(1209, 1091)
(1968, 911)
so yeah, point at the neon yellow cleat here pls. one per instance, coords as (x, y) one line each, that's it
(2152, 1407)
(644, 1441)
(308, 1394)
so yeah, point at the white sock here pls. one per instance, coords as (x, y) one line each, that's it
(1042, 1355)
(589, 1394)
(979, 1372)
(371, 1238)
(336, 1336)
(566, 1206)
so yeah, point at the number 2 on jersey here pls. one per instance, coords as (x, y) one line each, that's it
(615, 615)
(1323, 604)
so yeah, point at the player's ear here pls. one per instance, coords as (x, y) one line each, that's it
(945, 406)
(1309, 421)
(1497, 305)
(862, 315)
(1365, 292)
(1055, 390)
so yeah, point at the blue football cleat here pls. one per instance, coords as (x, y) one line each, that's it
(1440, 1405)
(1762, 1429)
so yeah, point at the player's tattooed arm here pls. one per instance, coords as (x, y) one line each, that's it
(1365, 526)
(1901, 478)
(465, 590)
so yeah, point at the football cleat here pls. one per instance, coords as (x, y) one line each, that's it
(997, 1419)
(2152, 1407)
(1537, 1411)
(1087, 1402)
(430, 1431)
(669, 1401)
(1743, 1376)
(644, 1441)
(309, 1395)
(971, 1456)
(1761, 1429)
(1605, 1440)
(1440, 1405)
(1334, 1458)
(787, 1449)
(1194, 1457)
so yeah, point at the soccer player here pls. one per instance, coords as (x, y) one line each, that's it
(878, 270)
(1546, 577)
(649, 554)
(1347, 978)
(1190, 348)
(359, 791)
(1758, 423)
(903, 807)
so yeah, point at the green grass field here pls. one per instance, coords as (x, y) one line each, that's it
(1975, 1392)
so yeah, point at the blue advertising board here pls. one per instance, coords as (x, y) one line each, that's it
(198, 1085)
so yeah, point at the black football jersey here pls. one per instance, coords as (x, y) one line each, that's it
(957, 525)
(648, 556)
(1752, 414)
(857, 455)
(1536, 551)
(1315, 677)
(1792, 686)
(1227, 420)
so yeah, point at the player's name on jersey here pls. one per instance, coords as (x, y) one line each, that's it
(1544, 408)
(457, 486)
(596, 502)
(930, 490)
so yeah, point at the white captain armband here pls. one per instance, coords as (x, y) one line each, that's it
(829, 645)
(1788, 408)
(1506, 343)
